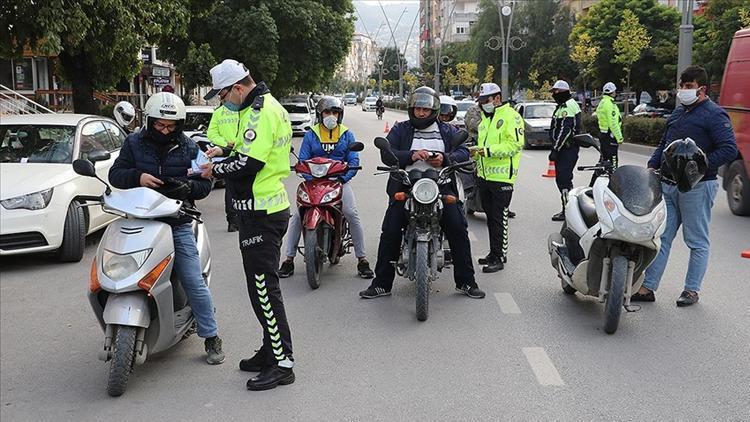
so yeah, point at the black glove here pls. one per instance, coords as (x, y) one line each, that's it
(552, 155)
(340, 180)
(174, 188)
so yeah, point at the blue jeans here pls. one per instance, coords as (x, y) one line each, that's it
(187, 266)
(692, 210)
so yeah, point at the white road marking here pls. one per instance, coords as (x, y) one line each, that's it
(544, 369)
(507, 304)
(523, 154)
(472, 236)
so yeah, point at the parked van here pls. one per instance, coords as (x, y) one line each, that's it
(735, 98)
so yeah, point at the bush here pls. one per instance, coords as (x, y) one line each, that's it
(643, 130)
(590, 124)
(398, 105)
(107, 110)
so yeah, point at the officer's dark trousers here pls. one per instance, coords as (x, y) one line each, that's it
(564, 166)
(260, 244)
(609, 147)
(496, 198)
(455, 228)
(228, 208)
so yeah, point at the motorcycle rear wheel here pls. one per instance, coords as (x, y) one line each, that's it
(423, 281)
(616, 294)
(123, 351)
(313, 259)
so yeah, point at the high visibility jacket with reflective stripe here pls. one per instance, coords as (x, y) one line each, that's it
(566, 122)
(224, 127)
(609, 118)
(503, 138)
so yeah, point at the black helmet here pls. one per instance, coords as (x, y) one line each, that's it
(683, 164)
(328, 103)
(424, 97)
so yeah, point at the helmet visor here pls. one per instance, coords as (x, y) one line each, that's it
(424, 100)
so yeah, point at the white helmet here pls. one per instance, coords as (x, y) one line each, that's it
(609, 88)
(124, 113)
(447, 99)
(561, 85)
(165, 105)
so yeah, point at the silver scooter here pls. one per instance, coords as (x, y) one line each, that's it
(610, 236)
(139, 303)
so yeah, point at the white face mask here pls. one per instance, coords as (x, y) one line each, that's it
(488, 107)
(330, 122)
(687, 96)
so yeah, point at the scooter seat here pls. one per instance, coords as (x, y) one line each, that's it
(588, 209)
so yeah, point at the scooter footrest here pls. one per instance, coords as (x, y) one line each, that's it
(568, 265)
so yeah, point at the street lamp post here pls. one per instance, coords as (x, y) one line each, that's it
(685, 48)
(505, 10)
(380, 80)
(436, 49)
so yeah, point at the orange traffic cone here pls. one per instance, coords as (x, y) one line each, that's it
(746, 254)
(550, 170)
(387, 129)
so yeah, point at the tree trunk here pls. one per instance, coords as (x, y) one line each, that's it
(77, 70)
(585, 104)
(627, 99)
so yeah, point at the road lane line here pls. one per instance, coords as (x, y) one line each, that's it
(544, 369)
(523, 154)
(507, 304)
(472, 236)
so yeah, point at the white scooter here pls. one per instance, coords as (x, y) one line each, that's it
(139, 303)
(610, 236)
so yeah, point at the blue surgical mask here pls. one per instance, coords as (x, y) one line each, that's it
(231, 106)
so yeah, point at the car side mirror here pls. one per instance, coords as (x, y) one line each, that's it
(98, 155)
(357, 147)
(459, 138)
(585, 140)
(84, 168)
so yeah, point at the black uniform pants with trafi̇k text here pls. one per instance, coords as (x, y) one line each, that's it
(260, 244)
(495, 197)
(565, 163)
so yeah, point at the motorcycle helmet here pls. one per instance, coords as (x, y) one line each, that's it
(472, 119)
(448, 108)
(683, 164)
(124, 113)
(165, 106)
(329, 103)
(424, 97)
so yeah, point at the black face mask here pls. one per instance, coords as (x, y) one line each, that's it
(161, 138)
(561, 97)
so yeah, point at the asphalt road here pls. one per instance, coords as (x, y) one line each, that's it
(526, 352)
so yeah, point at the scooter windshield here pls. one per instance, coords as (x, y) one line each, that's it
(638, 188)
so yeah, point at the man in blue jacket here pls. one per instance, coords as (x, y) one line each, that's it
(159, 157)
(331, 139)
(701, 120)
(423, 141)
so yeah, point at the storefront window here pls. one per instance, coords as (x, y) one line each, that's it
(23, 75)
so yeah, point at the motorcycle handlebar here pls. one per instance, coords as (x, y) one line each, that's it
(383, 168)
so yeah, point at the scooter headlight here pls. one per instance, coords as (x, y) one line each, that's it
(302, 195)
(118, 267)
(635, 232)
(330, 196)
(319, 170)
(425, 191)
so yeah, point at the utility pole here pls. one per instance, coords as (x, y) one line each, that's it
(505, 10)
(685, 48)
(438, 49)
(395, 45)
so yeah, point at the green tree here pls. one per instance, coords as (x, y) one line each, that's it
(584, 53)
(196, 66)
(631, 41)
(97, 42)
(390, 61)
(489, 72)
(714, 32)
(466, 75)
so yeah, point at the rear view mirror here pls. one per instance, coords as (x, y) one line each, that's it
(459, 138)
(357, 147)
(98, 155)
(84, 168)
(585, 140)
(386, 155)
(382, 143)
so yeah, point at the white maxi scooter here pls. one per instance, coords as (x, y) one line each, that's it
(139, 303)
(611, 234)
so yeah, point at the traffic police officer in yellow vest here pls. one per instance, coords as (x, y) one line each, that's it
(610, 124)
(566, 122)
(498, 154)
(254, 174)
(222, 131)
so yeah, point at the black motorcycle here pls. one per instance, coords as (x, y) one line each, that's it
(423, 253)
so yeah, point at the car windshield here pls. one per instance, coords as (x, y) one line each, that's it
(350, 96)
(464, 106)
(539, 111)
(296, 109)
(371, 100)
(196, 119)
(36, 144)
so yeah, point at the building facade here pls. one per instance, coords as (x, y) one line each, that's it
(360, 62)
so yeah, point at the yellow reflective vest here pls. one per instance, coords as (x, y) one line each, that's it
(609, 118)
(502, 139)
(224, 127)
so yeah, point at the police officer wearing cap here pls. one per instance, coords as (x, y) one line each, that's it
(498, 154)
(254, 174)
(610, 124)
(566, 122)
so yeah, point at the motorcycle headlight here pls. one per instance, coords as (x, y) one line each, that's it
(636, 232)
(33, 201)
(301, 194)
(425, 191)
(118, 267)
(330, 196)
(319, 170)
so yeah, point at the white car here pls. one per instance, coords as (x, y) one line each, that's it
(39, 191)
(537, 117)
(369, 103)
(197, 119)
(461, 113)
(300, 114)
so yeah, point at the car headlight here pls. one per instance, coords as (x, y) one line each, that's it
(301, 194)
(33, 201)
(319, 170)
(118, 267)
(330, 196)
(425, 191)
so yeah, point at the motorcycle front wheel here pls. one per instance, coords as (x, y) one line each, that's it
(313, 258)
(616, 294)
(423, 281)
(123, 351)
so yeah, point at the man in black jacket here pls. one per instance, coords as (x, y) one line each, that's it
(159, 157)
